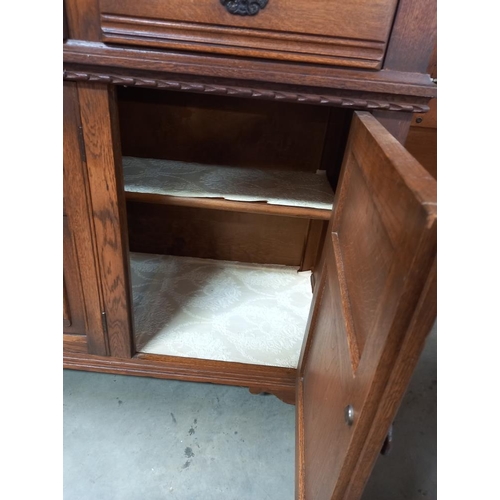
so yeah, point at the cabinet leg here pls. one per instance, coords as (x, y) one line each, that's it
(286, 395)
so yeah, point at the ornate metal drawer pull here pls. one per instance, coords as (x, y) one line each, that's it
(244, 7)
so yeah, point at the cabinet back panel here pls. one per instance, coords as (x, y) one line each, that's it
(216, 234)
(221, 131)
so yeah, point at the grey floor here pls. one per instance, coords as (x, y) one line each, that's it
(132, 438)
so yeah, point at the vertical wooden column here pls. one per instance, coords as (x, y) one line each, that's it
(79, 233)
(105, 178)
(410, 48)
(83, 18)
(413, 36)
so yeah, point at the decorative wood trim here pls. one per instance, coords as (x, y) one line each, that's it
(387, 85)
(256, 93)
(354, 347)
(273, 379)
(254, 42)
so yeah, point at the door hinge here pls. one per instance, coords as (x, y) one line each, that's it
(104, 322)
(81, 143)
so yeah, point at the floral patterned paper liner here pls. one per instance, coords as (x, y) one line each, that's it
(219, 310)
(193, 180)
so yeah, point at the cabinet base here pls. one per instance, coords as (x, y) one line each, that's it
(274, 380)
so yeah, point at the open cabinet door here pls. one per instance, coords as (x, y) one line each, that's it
(372, 310)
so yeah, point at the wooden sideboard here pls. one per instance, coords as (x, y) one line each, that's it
(239, 207)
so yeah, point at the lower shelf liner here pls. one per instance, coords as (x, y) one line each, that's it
(219, 310)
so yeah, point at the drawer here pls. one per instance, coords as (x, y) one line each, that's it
(336, 32)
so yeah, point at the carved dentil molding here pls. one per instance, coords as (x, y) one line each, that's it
(256, 93)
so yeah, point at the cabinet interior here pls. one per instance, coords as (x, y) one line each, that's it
(228, 201)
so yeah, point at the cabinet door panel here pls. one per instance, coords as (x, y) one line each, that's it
(370, 314)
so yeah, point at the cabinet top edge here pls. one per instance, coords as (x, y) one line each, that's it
(244, 72)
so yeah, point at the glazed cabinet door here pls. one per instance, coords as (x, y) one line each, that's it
(370, 315)
(83, 327)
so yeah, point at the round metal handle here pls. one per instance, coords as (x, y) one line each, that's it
(244, 7)
(349, 415)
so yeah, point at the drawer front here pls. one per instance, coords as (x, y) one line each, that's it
(341, 32)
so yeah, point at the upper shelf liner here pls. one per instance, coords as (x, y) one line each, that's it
(194, 180)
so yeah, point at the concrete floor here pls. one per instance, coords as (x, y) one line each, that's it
(131, 438)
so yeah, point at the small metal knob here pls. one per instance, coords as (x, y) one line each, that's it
(244, 7)
(349, 415)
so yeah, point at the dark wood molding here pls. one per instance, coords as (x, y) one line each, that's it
(257, 43)
(248, 92)
(276, 380)
(352, 33)
(396, 86)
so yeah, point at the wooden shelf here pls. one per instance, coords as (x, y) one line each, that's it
(219, 310)
(292, 194)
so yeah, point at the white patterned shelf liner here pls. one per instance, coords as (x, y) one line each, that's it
(194, 180)
(219, 310)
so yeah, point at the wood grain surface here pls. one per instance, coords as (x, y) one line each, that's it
(351, 32)
(79, 240)
(214, 130)
(216, 234)
(102, 150)
(262, 75)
